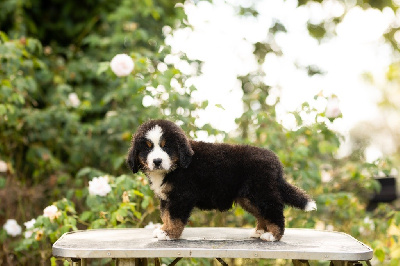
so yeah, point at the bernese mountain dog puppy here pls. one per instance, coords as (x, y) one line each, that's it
(185, 174)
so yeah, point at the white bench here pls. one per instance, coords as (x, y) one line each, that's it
(137, 246)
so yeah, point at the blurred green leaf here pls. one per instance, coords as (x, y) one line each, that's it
(86, 215)
(2, 182)
(379, 254)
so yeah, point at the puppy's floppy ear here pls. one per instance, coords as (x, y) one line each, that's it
(185, 150)
(132, 159)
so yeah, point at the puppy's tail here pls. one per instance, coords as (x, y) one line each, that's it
(296, 197)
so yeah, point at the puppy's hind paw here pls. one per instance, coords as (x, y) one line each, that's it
(311, 206)
(156, 232)
(268, 237)
(256, 233)
(162, 235)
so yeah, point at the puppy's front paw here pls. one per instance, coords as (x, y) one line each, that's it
(268, 237)
(162, 235)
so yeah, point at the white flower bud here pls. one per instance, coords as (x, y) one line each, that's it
(332, 108)
(30, 224)
(28, 234)
(3, 167)
(73, 100)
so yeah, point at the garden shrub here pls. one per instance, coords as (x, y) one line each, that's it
(65, 115)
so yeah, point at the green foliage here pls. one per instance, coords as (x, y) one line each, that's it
(47, 130)
(70, 22)
(65, 117)
(127, 205)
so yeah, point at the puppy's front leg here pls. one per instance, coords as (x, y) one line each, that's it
(171, 229)
(173, 225)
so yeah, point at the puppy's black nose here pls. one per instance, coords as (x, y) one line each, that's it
(157, 162)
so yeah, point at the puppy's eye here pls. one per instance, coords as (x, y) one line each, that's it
(162, 144)
(149, 144)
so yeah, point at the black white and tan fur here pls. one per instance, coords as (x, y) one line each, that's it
(185, 174)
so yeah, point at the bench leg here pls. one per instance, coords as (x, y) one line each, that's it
(78, 262)
(175, 261)
(222, 261)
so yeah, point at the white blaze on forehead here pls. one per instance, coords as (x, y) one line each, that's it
(155, 135)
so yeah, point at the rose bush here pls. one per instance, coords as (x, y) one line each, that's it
(128, 204)
(66, 117)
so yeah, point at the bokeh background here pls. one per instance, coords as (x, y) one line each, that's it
(318, 82)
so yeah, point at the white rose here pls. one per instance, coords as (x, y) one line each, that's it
(162, 67)
(12, 227)
(28, 234)
(73, 100)
(51, 212)
(99, 186)
(3, 167)
(30, 223)
(369, 222)
(326, 176)
(122, 65)
(332, 108)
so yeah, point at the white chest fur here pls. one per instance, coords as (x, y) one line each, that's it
(156, 184)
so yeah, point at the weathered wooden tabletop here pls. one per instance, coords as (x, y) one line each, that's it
(296, 244)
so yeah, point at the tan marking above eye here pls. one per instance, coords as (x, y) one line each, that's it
(162, 144)
(149, 144)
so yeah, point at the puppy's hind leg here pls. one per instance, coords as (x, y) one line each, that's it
(261, 226)
(270, 220)
(272, 213)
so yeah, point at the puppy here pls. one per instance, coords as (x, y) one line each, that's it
(185, 174)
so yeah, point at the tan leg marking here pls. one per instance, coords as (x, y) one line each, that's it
(262, 224)
(173, 227)
(274, 230)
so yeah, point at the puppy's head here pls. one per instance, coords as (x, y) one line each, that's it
(159, 146)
